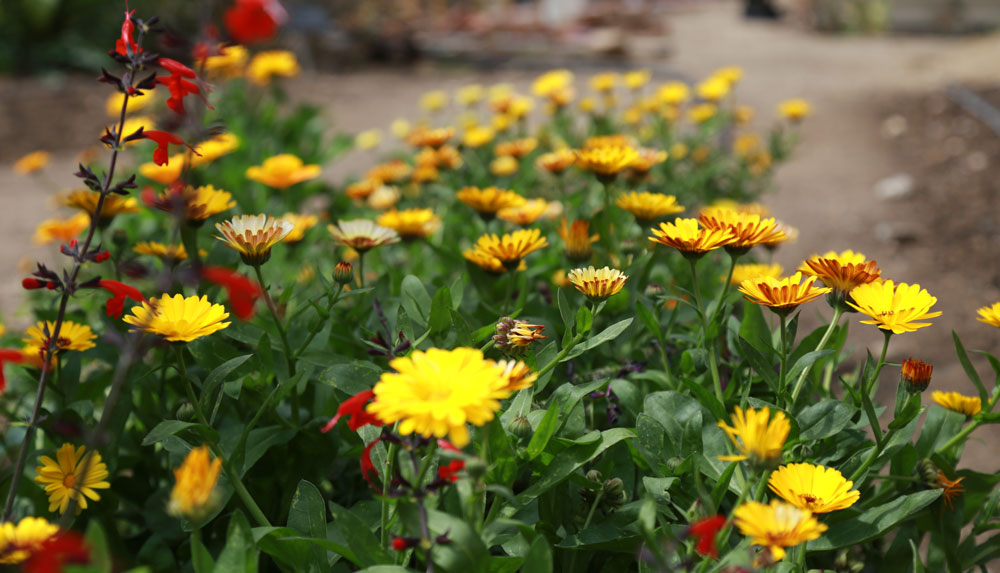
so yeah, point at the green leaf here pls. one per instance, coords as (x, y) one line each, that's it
(543, 433)
(609, 333)
(218, 376)
(539, 557)
(873, 522)
(722, 486)
(503, 468)
(359, 537)
(762, 363)
(823, 419)
(352, 377)
(806, 361)
(649, 320)
(939, 426)
(566, 313)
(288, 545)
(308, 516)
(415, 300)
(754, 329)
(168, 428)
(97, 542)
(201, 559)
(584, 320)
(970, 370)
(440, 317)
(465, 552)
(240, 552)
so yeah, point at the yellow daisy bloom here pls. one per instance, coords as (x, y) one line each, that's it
(228, 62)
(265, 65)
(300, 224)
(526, 213)
(673, 93)
(758, 437)
(749, 230)
(197, 203)
(893, 307)
(368, 139)
(20, 541)
(86, 200)
(755, 270)
(636, 79)
(437, 392)
(214, 148)
(395, 171)
(400, 128)
(170, 252)
(470, 95)
(646, 207)
(193, 496)
(488, 262)
(72, 336)
(164, 174)
(647, 158)
(578, 239)
(690, 238)
(818, 489)
(282, 171)
(410, 223)
(518, 374)
(843, 272)
(556, 162)
(794, 110)
(552, 82)
(64, 478)
(956, 402)
(777, 526)
(426, 137)
(742, 114)
(504, 165)
(478, 136)
(512, 247)
(434, 101)
(990, 314)
(781, 295)
(603, 83)
(516, 148)
(32, 162)
(597, 284)
(384, 197)
(731, 74)
(362, 235)
(487, 202)
(606, 162)
(178, 319)
(702, 112)
(717, 207)
(362, 189)
(714, 89)
(61, 230)
(253, 236)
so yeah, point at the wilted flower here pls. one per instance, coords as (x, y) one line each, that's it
(519, 375)
(72, 475)
(512, 335)
(951, 489)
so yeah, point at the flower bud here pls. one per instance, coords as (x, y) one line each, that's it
(32, 284)
(119, 238)
(520, 427)
(916, 375)
(343, 274)
(594, 476)
(614, 487)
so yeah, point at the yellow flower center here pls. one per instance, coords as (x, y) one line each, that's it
(69, 481)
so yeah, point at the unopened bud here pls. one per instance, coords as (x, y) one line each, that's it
(521, 427)
(916, 375)
(185, 412)
(343, 273)
(594, 476)
(614, 487)
(119, 238)
(32, 284)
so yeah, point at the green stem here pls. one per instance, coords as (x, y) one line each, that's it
(869, 384)
(314, 332)
(361, 269)
(837, 312)
(387, 478)
(783, 353)
(709, 343)
(957, 438)
(562, 354)
(725, 287)
(509, 291)
(289, 355)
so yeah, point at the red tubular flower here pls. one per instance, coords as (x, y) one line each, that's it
(242, 291)
(251, 21)
(126, 39)
(704, 530)
(32, 284)
(163, 140)
(450, 471)
(354, 409)
(9, 355)
(121, 291)
(179, 84)
(63, 548)
(367, 467)
(400, 544)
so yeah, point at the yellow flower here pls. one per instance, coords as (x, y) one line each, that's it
(646, 159)
(384, 197)
(282, 171)
(470, 95)
(646, 207)
(172, 252)
(488, 262)
(393, 171)
(603, 83)
(72, 475)
(578, 239)
(794, 110)
(742, 114)
(400, 128)
(410, 223)
(990, 315)
(19, 542)
(754, 270)
(478, 136)
(520, 107)
(425, 173)
(434, 101)
(892, 307)
(512, 247)
(436, 393)
(552, 82)
(86, 200)
(678, 150)
(426, 137)
(714, 209)
(559, 278)
(748, 230)
(487, 202)
(614, 140)
(362, 189)
(214, 148)
(818, 489)
(136, 102)
(133, 124)
(253, 236)
(362, 234)
(164, 174)
(193, 496)
(783, 295)
(72, 336)
(265, 65)
(588, 105)
(61, 230)
(513, 336)
(228, 62)
(526, 213)
(673, 93)
(300, 224)
(688, 237)
(597, 284)
(777, 526)
(843, 272)
(758, 437)
(636, 79)
(517, 147)
(448, 157)
(368, 139)
(503, 166)
(178, 319)
(556, 161)
(714, 89)
(198, 203)
(606, 162)
(518, 374)
(958, 403)
(702, 112)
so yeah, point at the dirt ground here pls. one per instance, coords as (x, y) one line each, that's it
(939, 236)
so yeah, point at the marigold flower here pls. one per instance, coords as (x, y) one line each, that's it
(748, 230)
(211, 149)
(362, 189)
(488, 262)
(794, 110)
(85, 200)
(487, 202)
(470, 95)
(518, 374)
(702, 112)
(253, 236)
(731, 74)
(61, 230)
(512, 335)
(526, 213)
(551, 82)
(916, 374)
(688, 237)
(120, 292)
(264, 66)
(242, 291)
(64, 478)
(394, 171)
(226, 61)
(557, 161)
(31, 163)
(516, 148)
(385, 197)
(817, 488)
(673, 93)
(892, 307)
(434, 101)
(503, 166)
(72, 336)
(437, 392)
(714, 89)
(19, 542)
(282, 171)
(605, 82)
(597, 284)
(362, 234)
(754, 270)
(300, 224)
(478, 136)
(167, 252)
(781, 295)
(251, 21)
(704, 531)
(197, 203)
(368, 139)
(606, 162)
(951, 488)
(512, 247)
(636, 79)
(178, 319)
(777, 526)
(426, 137)
(956, 402)
(164, 174)
(843, 272)
(578, 239)
(136, 103)
(193, 496)
(646, 159)
(410, 223)
(646, 207)
(990, 314)
(758, 437)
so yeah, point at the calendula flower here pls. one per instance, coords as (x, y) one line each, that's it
(578, 239)
(395, 171)
(597, 284)
(31, 163)
(227, 62)
(646, 159)
(892, 307)
(438, 392)
(755, 270)
(368, 139)
(757, 435)
(61, 230)
(478, 136)
(818, 489)
(488, 262)
(518, 374)
(551, 82)
(164, 174)
(781, 295)
(516, 148)
(777, 526)
(794, 110)
(646, 207)
(843, 272)
(956, 402)
(742, 114)
(72, 475)
(606, 162)
(193, 496)
(526, 213)
(72, 336)
(714, 89)
(556, 161)
(426, 137)
(702, 112)
(196, 203)
(136, 102)
(384, 197)
(613, 140)
(362, 235)
(990, 315)
(636, 79)
(604, 83)
(513, 336)
(487, 202)
(253, 236)
(214, 148)
(470, 95)
(282, 171)
(18, 542)
(503, 166)
(673, 93)
(301, 223)
(916, 375)
(690, 238)
(951, 488)
(511, 247)
(731, 74)
(410, 223)
(748, 230)
(178, 319)
(434, 101)
(266, 65)
(362, 189)
(85, 200)
(168, 252)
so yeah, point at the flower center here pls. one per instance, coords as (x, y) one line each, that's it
(811, 499)
(63, 342)
(69, 481)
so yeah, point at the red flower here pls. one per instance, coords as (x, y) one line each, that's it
(242, 291)
(250, 21)
(354, 408)
(63, 548)
(367, 467)
(121, 291)
(400, 544)
(163, 140)
(450, 471)
(704, 530)
(9, 355)
(179, 84)
(126, 39)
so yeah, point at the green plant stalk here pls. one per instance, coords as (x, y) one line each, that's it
(783, 354)
(725, 286)
(196, 543)
(869, 384)
(837, 312)
(361, 269)
(586, 524)
(562, 354)
(709, 344)
(289, 355)
(314, 332)
(508, 291)
(384, 519)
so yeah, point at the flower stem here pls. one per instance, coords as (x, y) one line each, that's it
(725, 287)
(289, 355)
(361, 269)
(869, 384)
(709, 343)
(783, 353)
(390, 457)
(837, 312)
(959, 437)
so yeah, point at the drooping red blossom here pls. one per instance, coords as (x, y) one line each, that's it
(121, 291)
(450, 471)
(242, 291)
(127, 39)
(354, 409)
(367, 467)
(63, 548)
(251, 21)
(163, 140)
(179, 83)
(400, 544)
(9, 355)
(102, 256)
(704, 531)
(32, 284)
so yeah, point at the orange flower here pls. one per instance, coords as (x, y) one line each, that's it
(282, 171)
(747, 230)
(487, 202)
(31, 163)
(557, 161)
(578, 239)
(61, 230)
(688, 237)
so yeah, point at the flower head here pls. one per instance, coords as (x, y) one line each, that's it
(164, 174)
(478, 136)
(31, 163)
(646, 159)
(178, 319)
(552, 82)
(511, 335)
(817, 488)
(713, 89)
(597, 284)
(193, 496)
(167, 252)
(222, 61)
(781, 296)
(578, 239)
(951, 489)
(916, 374)
(426, 137)
(72, 336)
(253, 236)
(777, 526)
(526, 213)
(18, 542)
(282, 171)
(266, 65)
(214, 148)
(758, 437)
(956, 402)
(990, 315)
(85, 200)
(434, 101)
(755, 270)
(690, 238)
(606, 162)
(72, 475)
(504, 165)
(794, 110)
(487, 202)
(704, 531)
(518, 374)
(511, 247)
(892, 307)
(646, 207)
(410, 223)
(748, 230)
(842, 271)
(368, 139)
(673, 93)
(636, 79)
(556, 161)
(395, 171)
(252, 21)
(242, 291)
(516, 148)
(437, 392)
(179, 83)
(196, 203)
(61, 230)
(488, 262)
(354, 409)
(362, 235)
